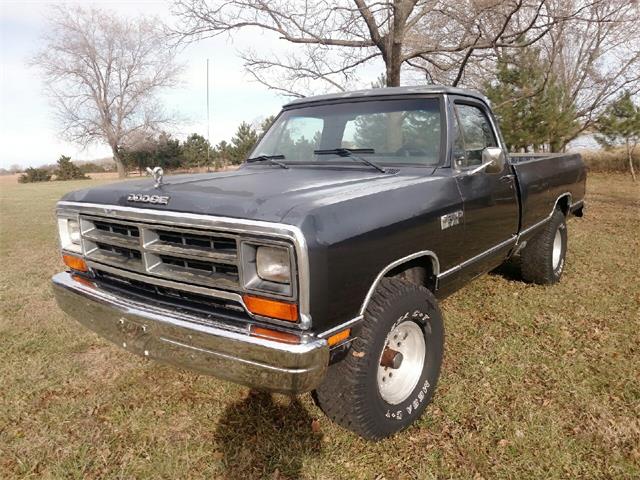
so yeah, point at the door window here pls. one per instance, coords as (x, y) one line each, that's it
(473, 134)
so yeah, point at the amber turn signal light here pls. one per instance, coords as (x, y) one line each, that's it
(338, 337)
(276, 335)
(271, 308)
(75, 263)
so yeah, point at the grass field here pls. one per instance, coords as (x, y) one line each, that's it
(538, 382)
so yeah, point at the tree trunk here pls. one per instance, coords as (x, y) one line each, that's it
(630, 157)
(393, 64)
(117, 157)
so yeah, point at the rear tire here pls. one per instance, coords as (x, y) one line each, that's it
(375, 401)
(543, 258)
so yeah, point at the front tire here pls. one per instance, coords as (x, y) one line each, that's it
(373, 392)
(543, 258)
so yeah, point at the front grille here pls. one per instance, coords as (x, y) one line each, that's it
(126, 253)
(203, 305)
(180, 254)
(127, 230)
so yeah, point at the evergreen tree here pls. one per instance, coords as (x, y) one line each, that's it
(168, 152)
(67, 170)
(32, 175)
(222, 154)
(620, 125)
(266, 124)
(243, 142)
(194, 151)
(138, 155)
(528, 100)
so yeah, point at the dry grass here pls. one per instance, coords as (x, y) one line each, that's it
(614, 160)
(538, 382)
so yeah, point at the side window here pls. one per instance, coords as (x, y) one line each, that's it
(459, 155)
(476, 133)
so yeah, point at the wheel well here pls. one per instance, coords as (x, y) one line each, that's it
(563, 204)
(419, 271)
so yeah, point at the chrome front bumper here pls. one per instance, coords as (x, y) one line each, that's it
(175, 338)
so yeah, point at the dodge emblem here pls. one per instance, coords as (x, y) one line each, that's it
(145, 198)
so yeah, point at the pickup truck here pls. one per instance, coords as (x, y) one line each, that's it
(318, 265)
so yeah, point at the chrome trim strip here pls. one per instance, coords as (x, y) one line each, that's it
(342, 326)
(234, 225)
(214, 349)
(534, 226)
(423, 253)
(477, 257)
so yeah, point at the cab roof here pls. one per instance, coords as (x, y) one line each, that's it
(387, 92)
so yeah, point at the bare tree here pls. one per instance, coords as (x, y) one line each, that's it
(595, 57)
(334, 38)
(104, 73)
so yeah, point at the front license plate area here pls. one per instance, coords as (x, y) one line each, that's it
(133, 335)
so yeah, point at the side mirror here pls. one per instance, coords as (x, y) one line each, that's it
(494, 159)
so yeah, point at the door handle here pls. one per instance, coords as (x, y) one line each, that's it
(506, 178)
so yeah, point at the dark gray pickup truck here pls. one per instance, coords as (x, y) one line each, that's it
(319, 264)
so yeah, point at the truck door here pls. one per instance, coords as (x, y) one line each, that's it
(489, 196)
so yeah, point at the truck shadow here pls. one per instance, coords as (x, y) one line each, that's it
(509, 270)
(262, 435)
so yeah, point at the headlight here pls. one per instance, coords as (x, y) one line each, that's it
(69, 231)
(272, 264)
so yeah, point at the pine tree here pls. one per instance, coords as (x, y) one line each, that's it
(243, 142)
(266, 124)
(194, 151)
(67, 170)
(168, 152)
(531, 105)
(620, 125)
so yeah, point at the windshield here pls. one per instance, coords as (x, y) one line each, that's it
(398, 132)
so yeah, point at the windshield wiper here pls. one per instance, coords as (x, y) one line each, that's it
(273, 159)
(350, 153)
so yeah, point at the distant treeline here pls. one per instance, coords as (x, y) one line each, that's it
(195, 152)
(155, 150)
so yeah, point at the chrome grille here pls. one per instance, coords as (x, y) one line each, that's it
(180, 254)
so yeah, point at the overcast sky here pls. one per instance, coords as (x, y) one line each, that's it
(28, 135)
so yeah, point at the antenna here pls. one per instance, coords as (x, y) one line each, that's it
(208, 139)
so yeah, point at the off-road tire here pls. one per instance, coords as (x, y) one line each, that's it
(536, 258)
(349, 394)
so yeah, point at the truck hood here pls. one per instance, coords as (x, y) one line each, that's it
(264, 193)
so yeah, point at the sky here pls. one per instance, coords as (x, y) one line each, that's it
(28, 134)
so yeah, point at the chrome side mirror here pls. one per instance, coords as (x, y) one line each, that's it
(493, 160)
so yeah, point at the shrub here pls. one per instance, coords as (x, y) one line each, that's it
(32, 175)
(67, 170)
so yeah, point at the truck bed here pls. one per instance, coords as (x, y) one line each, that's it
(542, 180)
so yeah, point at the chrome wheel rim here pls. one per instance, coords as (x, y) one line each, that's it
(557, 249)
(396, 384)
